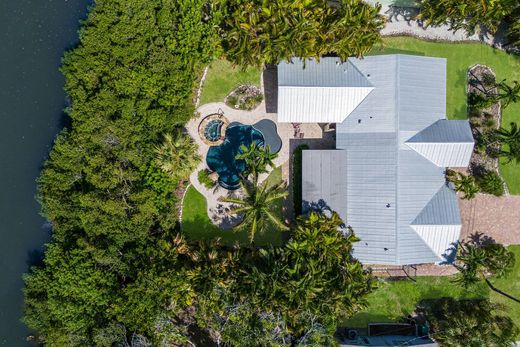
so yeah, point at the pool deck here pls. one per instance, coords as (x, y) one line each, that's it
(217, 210)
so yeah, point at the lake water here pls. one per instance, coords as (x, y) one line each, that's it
(33, 36)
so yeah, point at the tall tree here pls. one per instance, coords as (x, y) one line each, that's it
(470, 15)
(266, 32)
(257, 159)
(258, 208)
(508, 93)
(177, 155)
(130, 80)
(509, 141)
(470, 323)
(291, 295)
(479, 262)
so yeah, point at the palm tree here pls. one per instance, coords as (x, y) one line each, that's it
(478, 262)
(257, 158)
(473, 322)
(257, 32)
(257, 207)
(508, 94)
(508, 135)
(464, 183)
(177, 155)
(509, 140)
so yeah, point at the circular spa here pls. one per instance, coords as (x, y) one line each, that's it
(221, 159)
(212, 129)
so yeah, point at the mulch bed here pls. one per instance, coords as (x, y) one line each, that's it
(481, 80)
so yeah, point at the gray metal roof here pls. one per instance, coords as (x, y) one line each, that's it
(445, 131)
(442, 209)
(326, 91)
(389, 185)
(328, 72)
(446, 143)
(324, 181)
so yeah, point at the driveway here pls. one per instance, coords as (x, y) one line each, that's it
(494, 217)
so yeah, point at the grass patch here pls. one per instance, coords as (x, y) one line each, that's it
(460, 57)
(222, 78)
(394, 300)
(511, 285)
(196, 224)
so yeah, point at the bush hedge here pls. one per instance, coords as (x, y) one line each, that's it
(297, 179)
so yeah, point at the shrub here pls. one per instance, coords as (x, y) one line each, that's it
(205, 180)
(513, 33)
(488, 79)
(479, 101)
(491, 183)
(490, 123)
(297, 179)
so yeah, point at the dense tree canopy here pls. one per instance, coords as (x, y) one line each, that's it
(290, 294)
(470, 15)
(130, 81)
(470, 323)
(266, 32)
(117, 271)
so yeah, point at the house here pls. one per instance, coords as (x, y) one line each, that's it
(386, 177)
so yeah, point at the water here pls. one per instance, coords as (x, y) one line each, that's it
(33, 36)
(222, 158)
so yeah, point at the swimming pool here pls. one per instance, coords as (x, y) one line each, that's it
(222, 158)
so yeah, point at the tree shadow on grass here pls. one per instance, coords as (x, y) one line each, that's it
(201, 228)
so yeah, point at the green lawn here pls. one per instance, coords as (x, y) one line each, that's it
(510, 285)
(222, 78)
(197, 225)
(460, 57)
(393, 300)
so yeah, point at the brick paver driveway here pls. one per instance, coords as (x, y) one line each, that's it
(487, 215)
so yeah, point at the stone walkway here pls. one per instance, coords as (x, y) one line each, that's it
(217, 210)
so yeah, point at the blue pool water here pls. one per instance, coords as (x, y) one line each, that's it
(222, 158)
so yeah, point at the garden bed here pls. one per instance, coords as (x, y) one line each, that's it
(245, 97)
(485, 118)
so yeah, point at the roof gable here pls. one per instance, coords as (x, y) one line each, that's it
(442, 209)
(446, 143)
(319, 92)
